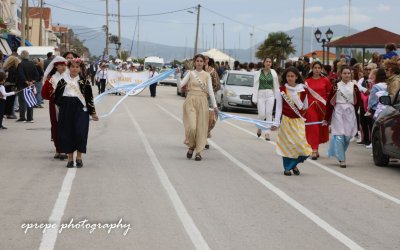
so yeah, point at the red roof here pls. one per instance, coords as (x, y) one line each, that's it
(61, 29)
(46, 14)
(319, 54)
(371, 38)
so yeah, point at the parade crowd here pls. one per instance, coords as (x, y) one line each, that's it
(307, 102)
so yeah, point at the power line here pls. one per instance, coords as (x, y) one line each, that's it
(102, 14)
(233, 20)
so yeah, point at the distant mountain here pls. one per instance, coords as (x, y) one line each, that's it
(95, 41)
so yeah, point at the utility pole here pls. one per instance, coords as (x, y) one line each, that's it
(137, 47)
(197, 29)
(223, 37)
(40, 24)
(107, 31)
(302, 29)
(119, 28)
(348, 33)
(27, 21)
(23, 23)
(213, 35)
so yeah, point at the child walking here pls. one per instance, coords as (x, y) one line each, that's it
(3, 97)
(291, 102)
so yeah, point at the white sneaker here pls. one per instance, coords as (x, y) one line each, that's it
(369, 146)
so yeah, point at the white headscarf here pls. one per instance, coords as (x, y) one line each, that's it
(51, 66)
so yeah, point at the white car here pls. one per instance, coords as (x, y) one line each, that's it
(170, 80)
(236, 91)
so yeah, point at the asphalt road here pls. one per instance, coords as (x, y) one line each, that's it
(136, 174)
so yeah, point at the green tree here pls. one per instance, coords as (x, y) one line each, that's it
(76, 45)
(124, 55)
(278, 46)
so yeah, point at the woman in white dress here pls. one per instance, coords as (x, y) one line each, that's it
(344, 99)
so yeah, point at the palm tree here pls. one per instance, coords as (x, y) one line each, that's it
(278, 46)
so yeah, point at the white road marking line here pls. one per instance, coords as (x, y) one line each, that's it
(187, 221)
(50, 236)
(334, 172)
(313, 217)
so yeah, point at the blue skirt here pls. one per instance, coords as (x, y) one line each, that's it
(338, 146)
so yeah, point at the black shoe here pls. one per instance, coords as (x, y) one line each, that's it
(11, 117)
(287, 173)
(57, 156)
(198, 157)
(207, 146)
(79, 163)
(70, 164)
(189, 153)
(2, 127)
(21, 120)
(296, 171)
(63, 157)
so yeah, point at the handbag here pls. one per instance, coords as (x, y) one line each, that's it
(212, 120)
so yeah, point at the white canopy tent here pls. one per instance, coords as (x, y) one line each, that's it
(220, 56)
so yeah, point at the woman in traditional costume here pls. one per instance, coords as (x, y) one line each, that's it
(55, 71)
(319, 88)
(291, 102)
(195, 107)
(343, 100)
(265, 87)
(74, 97)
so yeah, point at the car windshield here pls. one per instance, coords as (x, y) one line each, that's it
(240, 80)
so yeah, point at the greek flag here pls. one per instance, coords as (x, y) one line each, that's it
(29, 96)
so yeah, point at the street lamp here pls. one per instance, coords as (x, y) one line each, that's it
(328, 35)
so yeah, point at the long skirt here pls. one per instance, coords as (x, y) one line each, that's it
(338, 146)
(54, 124)
(195, 120)
(292, 144)
(73, 126)
(316, 134)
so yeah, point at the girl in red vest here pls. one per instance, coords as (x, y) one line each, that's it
(291, 102)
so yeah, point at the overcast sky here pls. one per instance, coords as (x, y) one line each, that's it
(265, 15)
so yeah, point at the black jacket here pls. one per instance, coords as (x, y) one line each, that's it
(86, 90)
(26, 72)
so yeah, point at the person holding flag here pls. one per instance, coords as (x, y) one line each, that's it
(74, 97)
(27, 76)
(3, 97)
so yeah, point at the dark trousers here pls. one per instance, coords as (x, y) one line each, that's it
(73, 126)
(102, 86)
(92, 78)
(366, 123)
(9, 111)
(2, 108)
(153, 90)
(23, 108)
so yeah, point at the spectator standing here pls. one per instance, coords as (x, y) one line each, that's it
(48, 60)
(3, 97)
(10, 66)
(38, 84)
(27, 76)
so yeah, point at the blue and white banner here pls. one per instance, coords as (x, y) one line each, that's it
(263, 125)
(30, 97)
(117, 79)
(131, 88)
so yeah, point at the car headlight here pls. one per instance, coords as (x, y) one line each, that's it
(230, 93)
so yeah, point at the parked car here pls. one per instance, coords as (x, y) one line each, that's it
(236, 91)
(170, 80)
(386, 133)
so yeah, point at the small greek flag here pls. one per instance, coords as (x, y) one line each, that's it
(30, 97)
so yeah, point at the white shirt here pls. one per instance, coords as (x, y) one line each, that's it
(359, 85)
(345, 93)
(69, 91)
(292, 93)
(56, 78)
(4, 94)
(101, 74)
